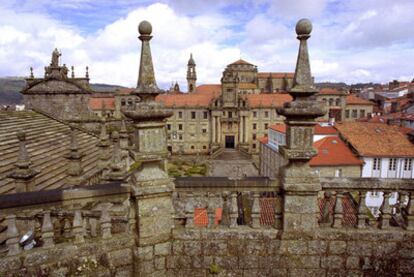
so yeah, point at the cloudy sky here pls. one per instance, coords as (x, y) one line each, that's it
(352, 41)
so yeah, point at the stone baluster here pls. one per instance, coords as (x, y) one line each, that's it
(104, 149)
(386, 211)
(77, 229)
(12, 236)
(106, 224)
(256, 211)
(362, 210)
(67, 228)
(211, 212)
(47, 231)
(278, 213)
(410, 212)
(74, 157)
(189, 211)
(338, 211)
(234, 211)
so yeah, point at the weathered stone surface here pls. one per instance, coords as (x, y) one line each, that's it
(332, 262)
(337, 247)
(162, 249)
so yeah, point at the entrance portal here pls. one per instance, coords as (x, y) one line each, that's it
(230, 142)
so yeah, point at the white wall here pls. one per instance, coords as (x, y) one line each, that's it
(367, 169)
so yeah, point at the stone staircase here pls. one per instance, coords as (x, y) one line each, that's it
(231, 154)
(47, 143)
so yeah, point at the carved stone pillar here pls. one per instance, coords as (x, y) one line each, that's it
(23, 175)
(299, 183)
(74, 157)
(256, 211)
(386, 211)
(362, 210)
(338, 211)
(47, 231)
(213, 130)
(106, 224)
(77, 228)
(12, 236)
(151, 185)
(234, 212)
(410, 212)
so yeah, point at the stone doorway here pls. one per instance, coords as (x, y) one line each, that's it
(230, 142)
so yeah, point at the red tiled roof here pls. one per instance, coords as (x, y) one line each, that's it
(95, 103)
(330, 91)
(376, 139)
(332, 151)
(263, 140)
(201, 98)
(349, 210)
(240, 62)
(267, 210)
(218, 216)
(200, 217)
(355, 100)
(280, 127)
(124, 91)
(268, 100)
(275, 75)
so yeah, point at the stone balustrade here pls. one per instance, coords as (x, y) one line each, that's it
(343, 203)
(216, 202)
(74, 215)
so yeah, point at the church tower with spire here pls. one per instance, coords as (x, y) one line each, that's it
(191, 74)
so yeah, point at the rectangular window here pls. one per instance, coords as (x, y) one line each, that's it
(180, 126)
(354, 113)
(255, 114)
(254, 136)
(205, 115)
(168, 126)
(266, 114)
(362, 113)
(377, 164)
(193, 115)
(254, 145)
(254, 126)
(204, 130)
(180, 137)
(346, 113)
(180, 114)
(169, 137)
(266, 125)
(230, 114)
(393, 164)
(338, 172)
(408, 163)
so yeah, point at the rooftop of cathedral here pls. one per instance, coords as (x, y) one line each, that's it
(47, 143)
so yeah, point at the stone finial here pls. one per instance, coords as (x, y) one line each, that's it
(47, 231)
(72, 69)
(123, 135)
(191, 60)
(338, 211)
(117, 170)
(146, 77)
(31, 73)
(77, 228)
(23, 174)
(87, 72)
(106, 224)
(74, 156)
(386, 211)
(362, 210)
(12, 236)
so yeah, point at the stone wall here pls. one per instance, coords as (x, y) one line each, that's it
(247, 252)
(112, 257)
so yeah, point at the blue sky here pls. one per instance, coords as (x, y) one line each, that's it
(352, 41)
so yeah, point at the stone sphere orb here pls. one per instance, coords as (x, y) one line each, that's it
(303, 27)
(145, 28)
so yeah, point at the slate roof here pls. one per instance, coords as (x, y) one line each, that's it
(47, 142)
(376, 139)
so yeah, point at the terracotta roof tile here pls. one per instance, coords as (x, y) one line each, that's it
(330, 91)
(350, 211)
(201, 98)
(332, 151)
(376, 139)
(267, 210)
(275, 75)
(95, 103)
(200, 217)
(355, 100)
(278, 127)
(263, 140)
(268, 100)
(318, 130)
(240, 62)
(124, 91)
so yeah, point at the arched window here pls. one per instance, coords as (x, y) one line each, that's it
(330, 102)
(337, 102)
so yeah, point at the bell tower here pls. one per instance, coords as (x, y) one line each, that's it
(191, 74)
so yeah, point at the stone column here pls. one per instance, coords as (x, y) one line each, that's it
(151, 186)
(23, 175)
(74, 157)
(299, 184)
(213, 130)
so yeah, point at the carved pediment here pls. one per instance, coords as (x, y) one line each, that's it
(55, 87)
